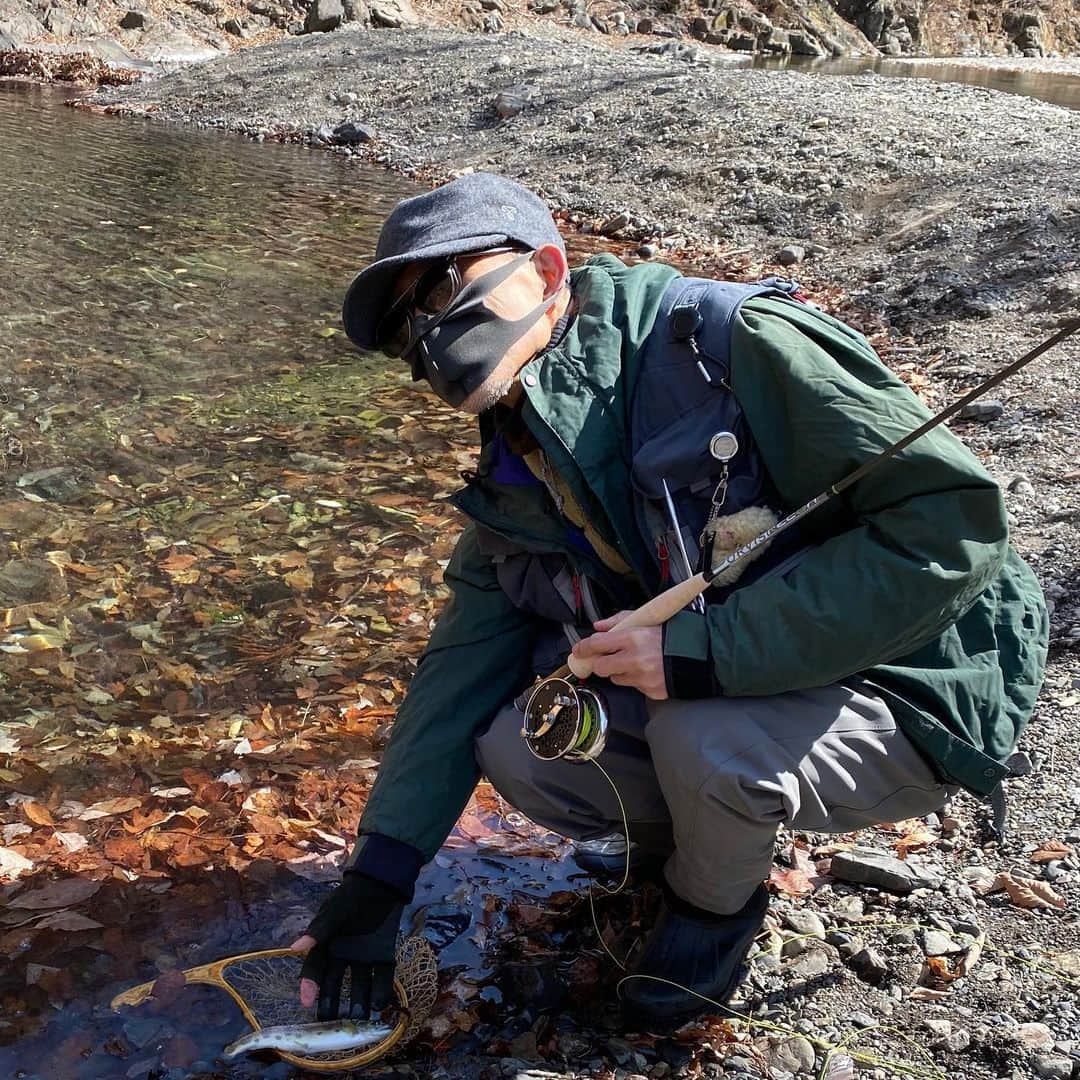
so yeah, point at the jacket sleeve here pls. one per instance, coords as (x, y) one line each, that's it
(477, 659)
(902, 554)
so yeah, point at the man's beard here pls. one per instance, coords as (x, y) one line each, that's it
(489, 393)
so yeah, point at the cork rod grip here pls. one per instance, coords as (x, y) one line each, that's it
(657, 611)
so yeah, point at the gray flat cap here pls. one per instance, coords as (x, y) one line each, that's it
(475, 212)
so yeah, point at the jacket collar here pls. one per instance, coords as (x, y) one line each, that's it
(579, 392)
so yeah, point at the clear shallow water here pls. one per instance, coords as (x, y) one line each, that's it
(1056, 88)
(175, 389)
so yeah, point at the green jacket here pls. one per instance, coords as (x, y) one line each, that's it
(912, 585)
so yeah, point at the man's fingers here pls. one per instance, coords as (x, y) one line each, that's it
(382, 986)
(314, 964)
(360, 991)
(601, 644)
(613, 664)
(303, 943)
(309, 993)
(611, 621)
(330, 990)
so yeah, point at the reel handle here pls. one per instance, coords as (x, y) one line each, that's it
(654, 613)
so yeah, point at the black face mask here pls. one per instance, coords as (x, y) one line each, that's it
(459, 348)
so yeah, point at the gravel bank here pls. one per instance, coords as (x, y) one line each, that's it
(951, 216)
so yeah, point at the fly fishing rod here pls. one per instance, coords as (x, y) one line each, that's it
(563, 719)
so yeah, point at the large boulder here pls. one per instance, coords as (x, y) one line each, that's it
(394, 14)
(323, 16)
(19, 27)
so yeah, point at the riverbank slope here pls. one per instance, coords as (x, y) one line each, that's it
(141, 33)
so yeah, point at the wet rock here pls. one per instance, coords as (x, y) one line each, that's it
(58, 483)
(323, 16)
(141, 1032)
(573, 1046)
(864, 866)
(524, 1046)
(351, 134)
(31, 581)
(622, 1053)
(538, 986)
(511, 102)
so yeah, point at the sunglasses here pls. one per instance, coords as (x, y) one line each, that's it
(423, 304)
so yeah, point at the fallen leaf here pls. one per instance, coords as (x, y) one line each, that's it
(971, 957)
(1027, 892)
(12, 864)
(55, 894)
(37, 813)
(790, 881)
(924, 993)
(70, 921)
(122, 804)
(1050, 850)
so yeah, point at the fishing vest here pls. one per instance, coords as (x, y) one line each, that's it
(696, 471)
(694, 464)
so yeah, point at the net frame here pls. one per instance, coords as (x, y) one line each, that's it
(264, 985)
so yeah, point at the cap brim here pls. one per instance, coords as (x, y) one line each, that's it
(368, 297)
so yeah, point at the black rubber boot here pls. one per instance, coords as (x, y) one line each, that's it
(695, 949)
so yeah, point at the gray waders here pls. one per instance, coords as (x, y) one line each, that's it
(708, 781)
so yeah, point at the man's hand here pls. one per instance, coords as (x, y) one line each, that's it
(356, 928)
(632, 657)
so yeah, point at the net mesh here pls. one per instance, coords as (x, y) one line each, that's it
(268, 986)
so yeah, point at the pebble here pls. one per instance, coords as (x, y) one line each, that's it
(869, 965)
(812, 962)
(806, 923)
(1020, 764)
(795, 1054)
(982, 410)
(938, 943)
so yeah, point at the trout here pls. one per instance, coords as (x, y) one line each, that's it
(306, 1039)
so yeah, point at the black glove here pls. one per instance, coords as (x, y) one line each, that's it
(356, 927)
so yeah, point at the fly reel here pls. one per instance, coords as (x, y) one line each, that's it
(565, 721)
